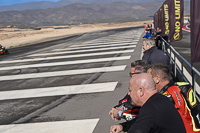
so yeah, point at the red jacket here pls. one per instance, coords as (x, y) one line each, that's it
(186, 103)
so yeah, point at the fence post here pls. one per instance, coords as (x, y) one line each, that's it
(182, 70)
(175, 65)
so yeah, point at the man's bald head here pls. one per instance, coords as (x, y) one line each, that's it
(143, 80)
(141, 88)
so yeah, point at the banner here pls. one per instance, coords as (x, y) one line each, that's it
(169, 18)
(161, 24)
(161, 19)
(166, 17)
(195, 30)
(176, 9)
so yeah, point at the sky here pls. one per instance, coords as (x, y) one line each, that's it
(11, 2)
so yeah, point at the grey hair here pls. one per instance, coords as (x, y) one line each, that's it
(149, 41)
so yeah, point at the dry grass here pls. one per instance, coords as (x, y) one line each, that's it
(12, 37)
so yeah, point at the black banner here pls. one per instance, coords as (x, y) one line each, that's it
(169, 18)
(161, 18)
(176, 9)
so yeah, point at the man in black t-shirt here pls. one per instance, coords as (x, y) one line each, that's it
(157, 113)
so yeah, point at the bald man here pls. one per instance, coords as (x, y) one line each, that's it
(157, 113)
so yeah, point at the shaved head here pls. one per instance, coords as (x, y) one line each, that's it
(143, 80)
(141, 88)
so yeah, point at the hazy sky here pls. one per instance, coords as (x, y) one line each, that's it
(10, 2)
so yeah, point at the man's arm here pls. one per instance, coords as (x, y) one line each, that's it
(121, 127)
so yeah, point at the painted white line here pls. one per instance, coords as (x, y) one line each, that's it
(74, 126)
(112, 41)
(66, 63)
(99, 46)
(68, 56)
(63, 73)
(104, 43)
(117, 38)
(58, 91)
(109, 41)
(80, 51)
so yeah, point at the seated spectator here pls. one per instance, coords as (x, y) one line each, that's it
(154, 55)
(147, 34)
(157, 113)
(176, 92)
(179, 93)
(129, 111)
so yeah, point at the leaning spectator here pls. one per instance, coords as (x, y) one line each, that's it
(178, 93)
(154, 55)
(128, 111)
(157, 113)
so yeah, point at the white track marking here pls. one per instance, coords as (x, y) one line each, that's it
(63, 73)
(68, 56)
(74, 126)
(109, 42)
(99, 46)
(58, 91)
(92, 44)
(79, 51)
(66, 63)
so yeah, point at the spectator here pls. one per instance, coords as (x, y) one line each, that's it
(178, 93)
(157, 38)
(149, 27)
(153, 55)
(157, 113)
(147, 34)
(128, 111)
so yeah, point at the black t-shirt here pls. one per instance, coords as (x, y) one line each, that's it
(158, 115)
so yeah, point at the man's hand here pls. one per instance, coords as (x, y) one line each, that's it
(116, 128)
(114, 111)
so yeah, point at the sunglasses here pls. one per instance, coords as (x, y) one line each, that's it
(134, 73)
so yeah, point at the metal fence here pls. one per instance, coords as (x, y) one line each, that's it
(178, 65)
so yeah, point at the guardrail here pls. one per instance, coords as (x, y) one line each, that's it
(178, 66)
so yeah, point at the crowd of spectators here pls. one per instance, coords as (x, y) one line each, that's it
(155, 103)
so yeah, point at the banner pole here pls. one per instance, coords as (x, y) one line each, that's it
(191, 42)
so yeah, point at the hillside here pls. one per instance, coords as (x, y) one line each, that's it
(81, 14)
(61, 3)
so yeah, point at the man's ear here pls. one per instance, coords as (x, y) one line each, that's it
(141, 92)
(157, 79)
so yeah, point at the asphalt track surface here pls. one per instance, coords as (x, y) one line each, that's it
(70, 84)
(67, 85)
